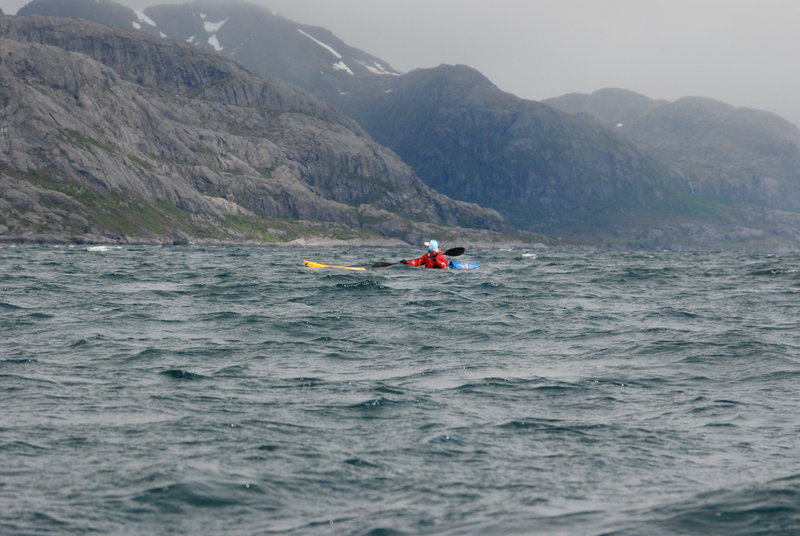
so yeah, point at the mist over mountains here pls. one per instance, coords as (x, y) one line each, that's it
(612, 168)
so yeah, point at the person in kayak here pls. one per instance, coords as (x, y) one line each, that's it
(434, 258)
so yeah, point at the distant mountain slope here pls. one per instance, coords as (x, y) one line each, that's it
(308, 56)
(741, 156)
(542, 168)
(104, 12)
(116, 135)
(272, 45)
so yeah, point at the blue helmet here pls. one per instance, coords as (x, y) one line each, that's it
(433, 245)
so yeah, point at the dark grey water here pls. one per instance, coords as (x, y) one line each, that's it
(149, 390)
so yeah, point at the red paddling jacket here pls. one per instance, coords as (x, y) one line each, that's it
(432, 259)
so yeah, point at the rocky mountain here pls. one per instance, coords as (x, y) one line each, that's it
(745, 159)
(742, 156)
(547, 167)
(114, 135)
(542, 169)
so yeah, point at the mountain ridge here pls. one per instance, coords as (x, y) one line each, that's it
(546, 167)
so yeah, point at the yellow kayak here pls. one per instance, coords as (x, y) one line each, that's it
(311, 264)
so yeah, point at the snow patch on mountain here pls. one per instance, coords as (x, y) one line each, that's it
(339, 65)
(144, 18)
(376, 68)
(320, 43)
(213, 27)
(342, 66)
(214, 42)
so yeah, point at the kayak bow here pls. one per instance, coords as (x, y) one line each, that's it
(311, 264)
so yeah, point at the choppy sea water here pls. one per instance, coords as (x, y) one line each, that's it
(149, 390)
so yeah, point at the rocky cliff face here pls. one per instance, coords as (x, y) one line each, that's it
(114, 135)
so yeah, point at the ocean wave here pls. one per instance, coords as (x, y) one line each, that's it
(176, 497)
(772, 271)
(179, 374)
(769, 508)
(103, 249)
(365, 285)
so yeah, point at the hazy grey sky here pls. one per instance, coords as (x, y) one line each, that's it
(743, 52)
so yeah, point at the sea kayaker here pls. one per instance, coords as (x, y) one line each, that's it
(434, 258)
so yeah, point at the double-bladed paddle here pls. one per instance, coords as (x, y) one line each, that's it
(455, 252)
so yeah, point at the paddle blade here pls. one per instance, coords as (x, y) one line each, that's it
(455, 252)
(382, 264)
